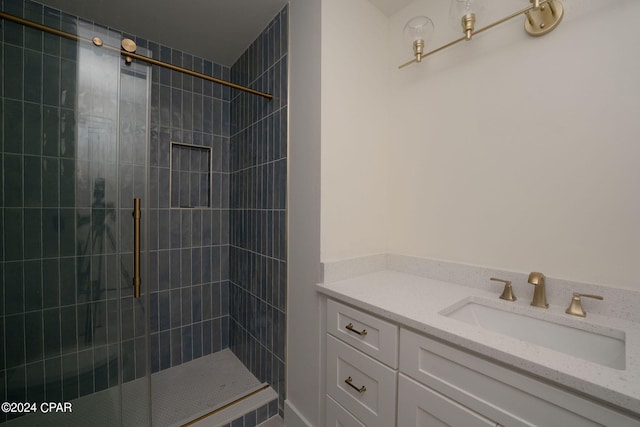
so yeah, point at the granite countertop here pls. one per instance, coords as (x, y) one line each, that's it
(416, 302)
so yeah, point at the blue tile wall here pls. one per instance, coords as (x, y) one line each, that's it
(189, 216)
(258, 162)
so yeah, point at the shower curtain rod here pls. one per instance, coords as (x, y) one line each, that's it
(133, 55)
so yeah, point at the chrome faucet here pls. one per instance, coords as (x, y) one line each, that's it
(540, 294)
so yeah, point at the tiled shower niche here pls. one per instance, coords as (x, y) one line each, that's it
(190, 176)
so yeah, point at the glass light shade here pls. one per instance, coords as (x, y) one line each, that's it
(460, 8)
(418, 28)
(417, 32)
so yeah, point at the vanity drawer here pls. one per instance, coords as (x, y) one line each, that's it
(369, 334)
(421, 406)
(337, 416)
(363, 386)
(496, 392)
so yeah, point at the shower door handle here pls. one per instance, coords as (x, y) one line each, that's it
(136, 248)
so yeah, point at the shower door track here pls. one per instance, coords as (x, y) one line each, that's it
(133, 55)
(223, 407)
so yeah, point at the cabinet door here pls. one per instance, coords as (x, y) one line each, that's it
(362, 385)
(337, 416)
(421, 406)
(369, 334)
(510, 398)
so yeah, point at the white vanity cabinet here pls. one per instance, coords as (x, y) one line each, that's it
(421, 406)
(459, 388)
(361, 368)
(380, 374)
(337, 416)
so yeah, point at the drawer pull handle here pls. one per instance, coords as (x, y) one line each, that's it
(359, 390)
(361, 333)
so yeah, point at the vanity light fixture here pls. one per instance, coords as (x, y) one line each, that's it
(417, 32)
(541, 17)
(464, 12)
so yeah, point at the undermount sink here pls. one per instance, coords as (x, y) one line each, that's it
(605, 349)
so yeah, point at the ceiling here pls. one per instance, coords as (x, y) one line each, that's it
(389, 7)
(218, 30)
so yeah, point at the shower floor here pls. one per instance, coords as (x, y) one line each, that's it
(179, 394)
(199, 386)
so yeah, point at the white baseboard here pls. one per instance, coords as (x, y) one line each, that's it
(293, 418)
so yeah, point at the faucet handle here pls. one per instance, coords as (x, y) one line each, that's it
(507, 293)
(575, 307)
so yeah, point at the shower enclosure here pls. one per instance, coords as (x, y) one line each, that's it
(74, 159)
(86, 137)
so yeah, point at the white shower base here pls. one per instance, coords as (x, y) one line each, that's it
(179, 394)
(198, 386)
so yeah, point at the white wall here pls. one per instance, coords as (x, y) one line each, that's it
(522, 153)
(355, 129)
(510, 152)
(303, 339)
(348, 135)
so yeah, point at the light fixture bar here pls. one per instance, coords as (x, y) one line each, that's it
(478, 31)
(424, 55)
(508, 18)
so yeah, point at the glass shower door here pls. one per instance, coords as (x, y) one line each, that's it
(74, 158)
